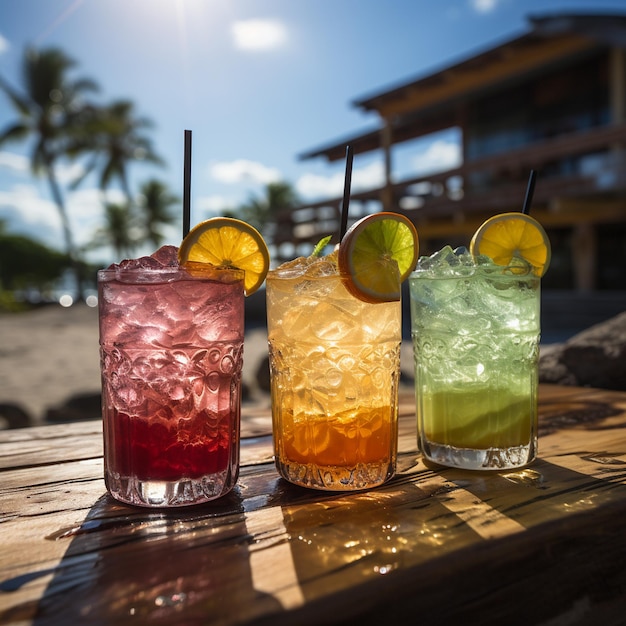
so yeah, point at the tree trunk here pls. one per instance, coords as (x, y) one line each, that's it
(67, 231)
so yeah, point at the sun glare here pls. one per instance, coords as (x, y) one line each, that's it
(58, 21)
(259, 34)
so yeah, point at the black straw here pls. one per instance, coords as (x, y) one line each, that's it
(187, 185)
(346, 193)
(530, 190)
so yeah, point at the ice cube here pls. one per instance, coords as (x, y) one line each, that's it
(295, 268)
(443, 263)
(447, 262)
(310, 266)
(167, 256)
(333, 323)
(518, 266)
(438, 261)
(296, 320)
(145, 262)
(323, 266)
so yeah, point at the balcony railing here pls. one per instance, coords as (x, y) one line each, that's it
(456, 200)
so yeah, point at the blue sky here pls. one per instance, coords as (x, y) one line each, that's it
(257, 81)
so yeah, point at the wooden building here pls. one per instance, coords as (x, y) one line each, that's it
(552, 99)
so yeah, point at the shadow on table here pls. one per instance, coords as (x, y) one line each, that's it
(126, 564)
(512, 547)
(518, 547)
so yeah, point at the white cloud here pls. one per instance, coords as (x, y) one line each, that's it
(4, 44)
(440, 155)
(65, 173)
(38, 217)
(244, 171)
(484, 6)
(259, 34)
(15, 162)
(69, 172)
(368, 177)
(34, 210)
(90, 200)
(85, 212)
(316, 186)
(28, 213)
(214, 204)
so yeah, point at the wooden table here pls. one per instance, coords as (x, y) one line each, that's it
(544, 545)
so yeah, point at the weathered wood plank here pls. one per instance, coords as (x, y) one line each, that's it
(525, 546)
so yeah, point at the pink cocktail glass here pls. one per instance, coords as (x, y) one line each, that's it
(171, 345)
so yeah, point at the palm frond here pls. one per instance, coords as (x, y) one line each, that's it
(16, 132)
(20, 102)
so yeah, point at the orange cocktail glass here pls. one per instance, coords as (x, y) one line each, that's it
(334, 363)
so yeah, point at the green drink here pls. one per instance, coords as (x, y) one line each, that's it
(475, 329)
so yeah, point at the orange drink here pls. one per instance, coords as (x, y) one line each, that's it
(334, 331)
(338, 438)
(334, 363)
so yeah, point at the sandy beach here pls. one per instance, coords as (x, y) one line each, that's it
(47, 355)
(50, 355)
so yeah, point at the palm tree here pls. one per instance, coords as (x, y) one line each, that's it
(50, 106)
(118, 231)
(156, 201)
(259, 211)
(114, 137)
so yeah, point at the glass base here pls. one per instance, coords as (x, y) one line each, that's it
(336, 478)
(156, 493)
(485, 459)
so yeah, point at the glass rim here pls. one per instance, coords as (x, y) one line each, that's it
(504, 272)
(276, 275)
(147, 275)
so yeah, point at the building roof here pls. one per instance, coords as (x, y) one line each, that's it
(429, 103)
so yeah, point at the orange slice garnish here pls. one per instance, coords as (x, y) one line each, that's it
(510, 236)
(226, 242)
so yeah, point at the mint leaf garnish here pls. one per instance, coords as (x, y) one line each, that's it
(321, 244)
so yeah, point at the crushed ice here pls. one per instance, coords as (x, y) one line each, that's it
(460, 262)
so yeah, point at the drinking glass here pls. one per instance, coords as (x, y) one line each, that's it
(171, 345)
(475, 335)
(334, 365)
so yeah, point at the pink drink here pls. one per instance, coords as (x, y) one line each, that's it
(171, 345)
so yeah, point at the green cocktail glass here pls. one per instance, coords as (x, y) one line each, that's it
(475, 328)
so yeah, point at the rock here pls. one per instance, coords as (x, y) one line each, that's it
(551, 370)
(14, 416)
(81, 406)
(263, 375)
(596, 357)
(246, 393)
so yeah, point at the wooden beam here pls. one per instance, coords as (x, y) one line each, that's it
(584, 256)
(460, 81)
(576, 215)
